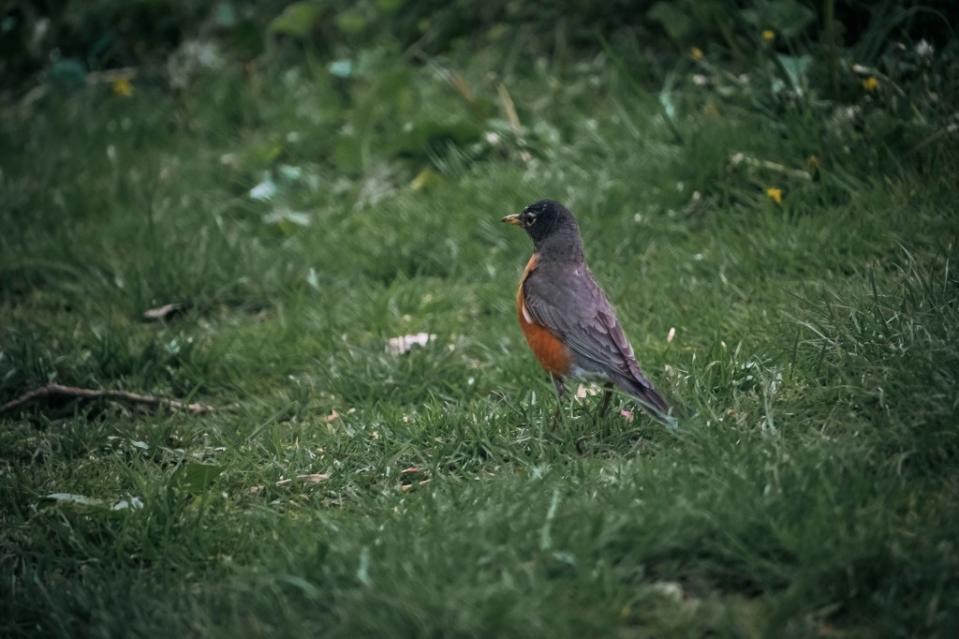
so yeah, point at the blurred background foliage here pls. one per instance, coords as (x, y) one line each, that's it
(765, 56)
(71, 36)
(307, 108)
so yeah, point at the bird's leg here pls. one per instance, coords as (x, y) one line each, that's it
(607, 395)
(560, 387)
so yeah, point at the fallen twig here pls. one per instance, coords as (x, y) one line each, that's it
(59, 390)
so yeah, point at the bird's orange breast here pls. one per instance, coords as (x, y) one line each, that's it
(551, 353)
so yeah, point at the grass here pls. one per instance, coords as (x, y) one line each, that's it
(810, 491)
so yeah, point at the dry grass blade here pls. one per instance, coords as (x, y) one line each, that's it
(163, 312)
(509, 109)
(737, 159)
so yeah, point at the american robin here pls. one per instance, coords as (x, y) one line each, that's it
(565, 316)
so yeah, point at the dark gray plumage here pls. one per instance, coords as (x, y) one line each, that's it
(561, 294)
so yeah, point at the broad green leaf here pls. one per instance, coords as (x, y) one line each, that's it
(224, 15)
(296, 20)
(795, 68)
(388, 6)
(351, 22)
(68, 72)
(787, 18)
(195, 477)
(676, 23)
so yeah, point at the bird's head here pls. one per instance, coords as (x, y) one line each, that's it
(543, 219)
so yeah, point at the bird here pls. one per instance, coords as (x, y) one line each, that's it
(567, 319)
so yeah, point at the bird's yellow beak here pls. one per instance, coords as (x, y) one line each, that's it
(512, 219)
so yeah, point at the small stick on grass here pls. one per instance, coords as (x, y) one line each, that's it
(59, 390)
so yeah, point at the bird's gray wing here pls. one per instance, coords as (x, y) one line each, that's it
(573, 307)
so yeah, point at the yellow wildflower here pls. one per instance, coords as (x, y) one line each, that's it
(769, 35)
(871, 83)
(775, 194)
(122, 87)
(696, 53)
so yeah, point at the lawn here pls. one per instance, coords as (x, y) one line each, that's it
(784, 263)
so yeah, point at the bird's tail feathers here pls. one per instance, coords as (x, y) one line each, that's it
(649, 398)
